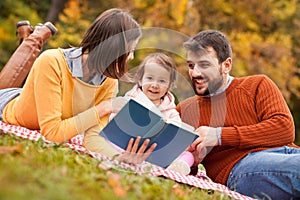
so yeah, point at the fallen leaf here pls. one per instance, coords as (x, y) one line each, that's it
(64, 170)
(114, 179)
(11, 149)
(120, 191)
(178, 191)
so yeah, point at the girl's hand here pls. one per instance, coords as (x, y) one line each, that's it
(135, 155)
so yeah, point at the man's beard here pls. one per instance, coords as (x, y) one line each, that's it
(213, 86)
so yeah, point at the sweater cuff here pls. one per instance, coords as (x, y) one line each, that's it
(230, 136)
(219, 135)
(86, 120)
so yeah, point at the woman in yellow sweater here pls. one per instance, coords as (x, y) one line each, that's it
(71, 91)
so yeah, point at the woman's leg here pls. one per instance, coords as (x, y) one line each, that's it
(18, 66)
(6, 95)
(269, 174)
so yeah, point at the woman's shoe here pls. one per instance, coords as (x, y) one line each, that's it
(24, 29)
(44, 31)
(180, 166)
(15, 71)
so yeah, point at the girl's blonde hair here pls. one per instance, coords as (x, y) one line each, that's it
(161, 59)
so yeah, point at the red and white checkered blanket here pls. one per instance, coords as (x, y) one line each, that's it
(201, 180)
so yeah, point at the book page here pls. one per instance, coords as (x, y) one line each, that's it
(181, 124)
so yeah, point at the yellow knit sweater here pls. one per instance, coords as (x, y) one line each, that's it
(253, 115)
(60, 105)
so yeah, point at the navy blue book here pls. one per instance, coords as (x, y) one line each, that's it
(135, 119)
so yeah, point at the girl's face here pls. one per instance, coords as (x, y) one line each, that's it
(155, 82)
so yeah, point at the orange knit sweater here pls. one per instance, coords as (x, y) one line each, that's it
(253, 115)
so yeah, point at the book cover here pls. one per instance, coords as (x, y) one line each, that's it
(135, 119)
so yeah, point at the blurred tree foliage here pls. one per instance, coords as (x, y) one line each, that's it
(11, 13)
(265, 35)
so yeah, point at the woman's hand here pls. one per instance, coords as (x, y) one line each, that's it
(135, 155)
(112, 105)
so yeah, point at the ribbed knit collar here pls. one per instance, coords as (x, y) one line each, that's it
(230, 79)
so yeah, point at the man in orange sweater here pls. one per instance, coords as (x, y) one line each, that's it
(245, 126)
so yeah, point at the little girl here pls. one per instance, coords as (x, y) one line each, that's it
(154, 77)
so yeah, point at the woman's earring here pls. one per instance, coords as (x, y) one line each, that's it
(117, 68)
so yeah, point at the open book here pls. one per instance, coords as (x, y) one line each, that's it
(135, 119)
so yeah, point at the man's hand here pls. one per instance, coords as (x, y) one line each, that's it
(206, 140)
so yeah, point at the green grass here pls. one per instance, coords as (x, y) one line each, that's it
(47, 171)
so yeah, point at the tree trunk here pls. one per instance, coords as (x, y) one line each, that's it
(56, 8)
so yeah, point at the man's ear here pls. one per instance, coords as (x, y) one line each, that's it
(227, 64)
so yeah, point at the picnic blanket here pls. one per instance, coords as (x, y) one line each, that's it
(201, 180)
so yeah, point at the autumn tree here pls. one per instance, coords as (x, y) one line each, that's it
(264, 34)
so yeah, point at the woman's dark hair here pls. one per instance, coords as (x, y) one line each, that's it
(158, 58)
(109, 41)
(210, 38)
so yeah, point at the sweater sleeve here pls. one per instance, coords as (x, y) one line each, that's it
(96, 143)
(48, 91)
(274, 127)
(48, 77)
